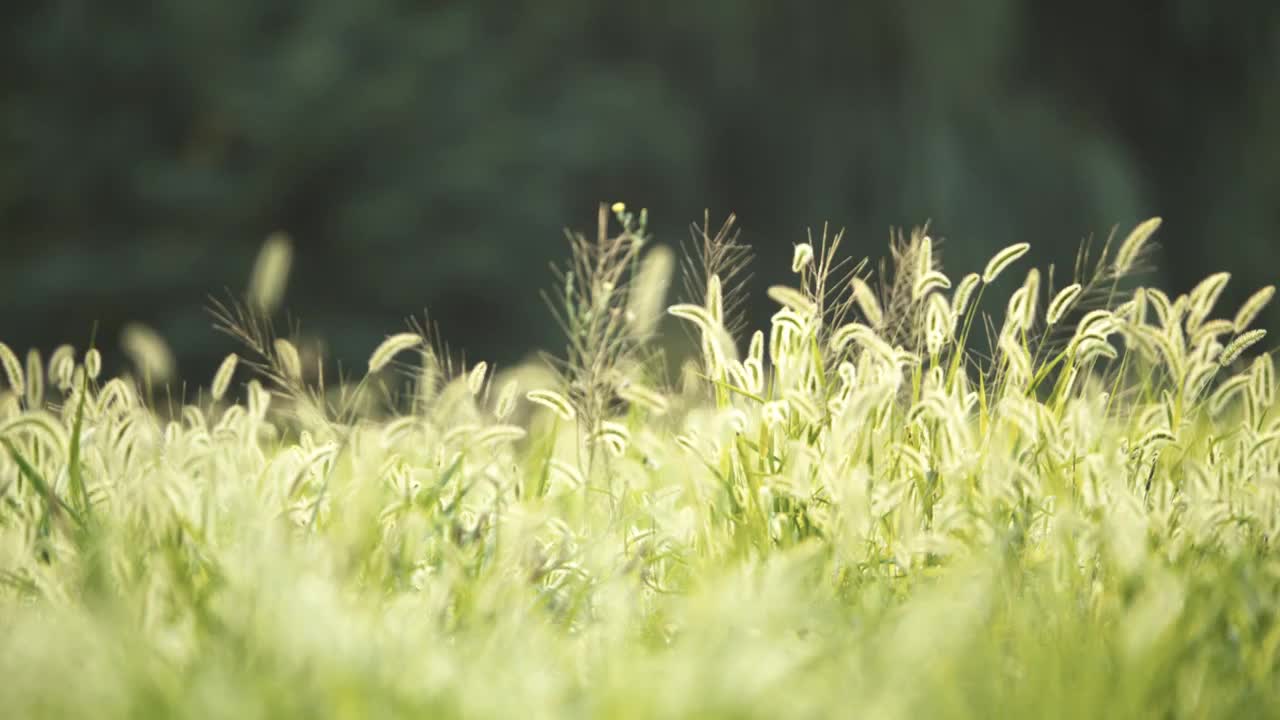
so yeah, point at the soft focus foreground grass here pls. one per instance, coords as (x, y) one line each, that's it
(861, 515)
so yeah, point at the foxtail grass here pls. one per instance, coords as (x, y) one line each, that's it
(884, 503)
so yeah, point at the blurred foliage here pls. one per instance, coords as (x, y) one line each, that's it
(428, 155)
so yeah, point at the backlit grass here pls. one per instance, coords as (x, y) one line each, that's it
(884, 504)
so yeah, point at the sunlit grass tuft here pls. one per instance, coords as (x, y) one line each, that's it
(883, 504)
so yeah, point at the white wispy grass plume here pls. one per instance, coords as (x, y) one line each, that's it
(392, 346)
(271, 273)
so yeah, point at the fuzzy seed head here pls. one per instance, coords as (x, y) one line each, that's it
(553, 401)
(791, 298)
(1131, 248)
(775, 413)
(1159, 302)
(506, 400)
(649, 290)
(924, 258)
(928, 282)
(475, 378)
(428, 379)
(222, 378)
(271, 273)
(695, 314)
(753, 375)
(392, 346)
(645, 397)
(12, 370)
(568, 474)
(1062, 303)
(1002, 260)
(62, 365)
(1090, 347)
(497, 434)
(1015, 317)
(715, 300)
(801, 257)
(35, 380)
(1263, 382)
(939, 323)
(1205, 295)
(867, 302)
(1155, 439)
(1017, 357)
(964, 292)
(93, 363)
(1138, 313)
(1096, 323)
(1031, 300)
(755, 350)
(614, 436)
(1252, 307)
(148, 351)
(846, 334)
(1239, 345)
(1221, 397)
(288, 359)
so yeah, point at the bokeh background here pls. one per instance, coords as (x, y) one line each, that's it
(429, 155)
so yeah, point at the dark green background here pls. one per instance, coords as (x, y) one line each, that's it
(428, 155)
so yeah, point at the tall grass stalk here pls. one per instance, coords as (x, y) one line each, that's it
(867, 513)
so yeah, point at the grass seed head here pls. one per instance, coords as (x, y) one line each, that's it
(222, 378)
(476, 378)
(392, 346)
(1031, 300)
(792, 299)
(1131, 249)
(801, 257)
(1225, 392)
(649, 291)
(647, 398)
(12, 370)
(614, 436)
(775, 413)
(867, 302)
(1263, 381)
(924, 257)
(696, 314)
(93, 363)
(62, 366)
(1002, 260)
(270, 274)
(148, 351)
(35, 380)
(506, 400)
(1062, 302)
(857, 479)
(1204, 296)
(290, 363)
(553, 401)
(1239, 345)
(1252, 307)
(715, 300)
(964, 293)
(928, 282)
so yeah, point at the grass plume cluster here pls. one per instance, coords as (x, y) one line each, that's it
(884, 504)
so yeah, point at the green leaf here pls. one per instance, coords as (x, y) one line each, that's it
(37, 481)
(73, 454)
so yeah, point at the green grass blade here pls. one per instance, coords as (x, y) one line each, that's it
(74, 469)
(37, 481)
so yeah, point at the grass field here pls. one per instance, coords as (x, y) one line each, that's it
(888, 503)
